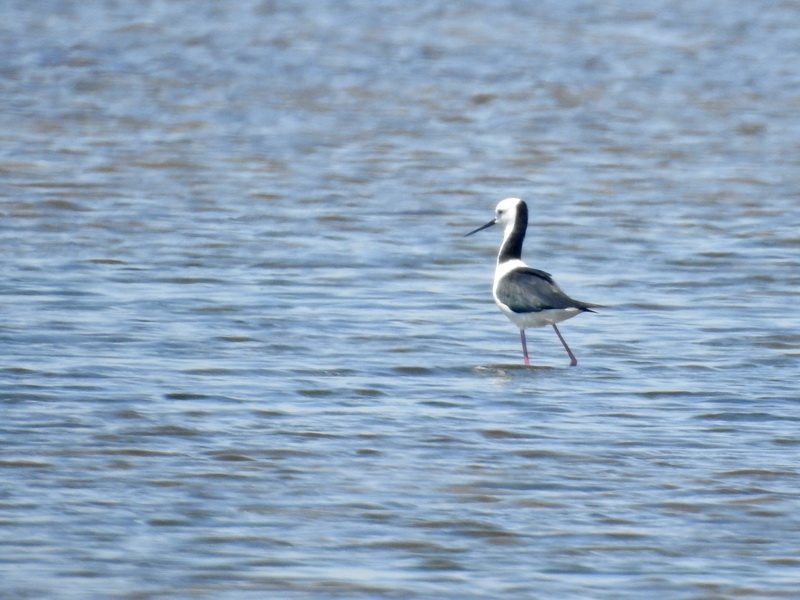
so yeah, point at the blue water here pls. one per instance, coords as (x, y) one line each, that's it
(247, 352)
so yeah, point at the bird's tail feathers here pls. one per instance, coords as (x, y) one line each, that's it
(588, 306)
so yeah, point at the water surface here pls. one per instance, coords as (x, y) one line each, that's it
(247, 353)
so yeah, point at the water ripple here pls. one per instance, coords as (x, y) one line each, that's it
(247, 351)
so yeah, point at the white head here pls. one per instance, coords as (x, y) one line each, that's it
(506, 212)
(506, 215)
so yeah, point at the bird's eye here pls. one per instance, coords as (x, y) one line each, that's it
(500, 212)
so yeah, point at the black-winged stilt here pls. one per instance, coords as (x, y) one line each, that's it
(529, 297)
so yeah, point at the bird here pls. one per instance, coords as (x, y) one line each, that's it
(528, 297)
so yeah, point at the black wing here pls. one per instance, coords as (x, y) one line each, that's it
(531, 290)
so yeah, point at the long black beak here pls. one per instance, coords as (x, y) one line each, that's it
(482, 227)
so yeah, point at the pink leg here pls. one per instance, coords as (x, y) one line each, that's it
(573, 360)
(524, 346)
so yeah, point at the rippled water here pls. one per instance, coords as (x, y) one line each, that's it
(247, 353)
